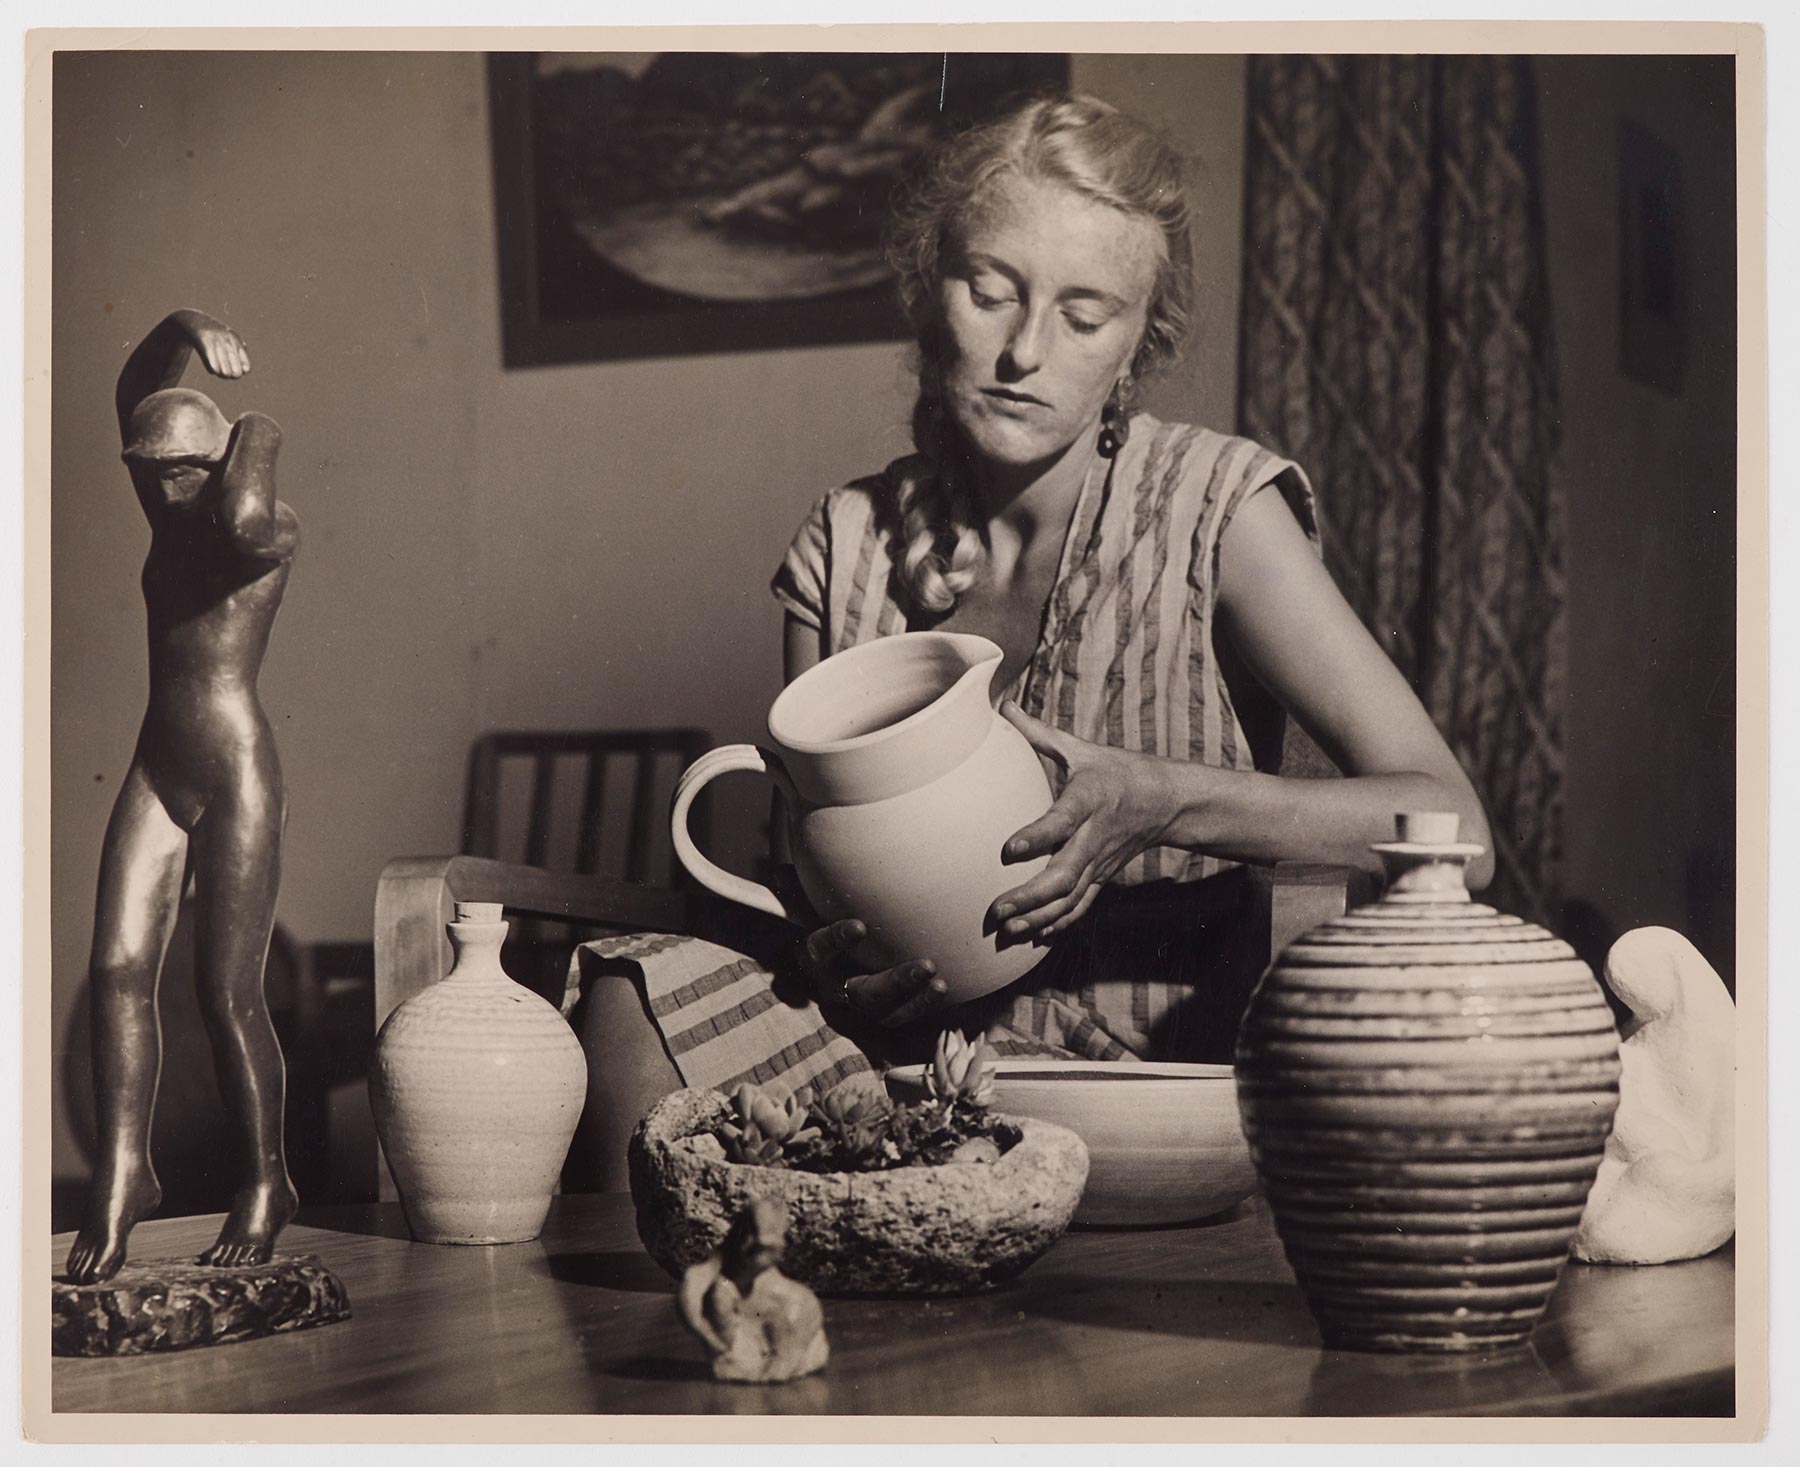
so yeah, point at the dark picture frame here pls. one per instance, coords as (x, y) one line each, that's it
(696, 202)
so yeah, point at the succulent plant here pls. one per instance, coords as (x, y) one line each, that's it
(853, 1120)
(961, 1073)
(855, 1128)
(761, 1126)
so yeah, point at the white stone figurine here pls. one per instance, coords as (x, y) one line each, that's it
(1667, 1187)
(757, 1324)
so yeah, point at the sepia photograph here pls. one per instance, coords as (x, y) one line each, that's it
(921, 737)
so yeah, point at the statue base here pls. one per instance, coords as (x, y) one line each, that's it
(176, 1303)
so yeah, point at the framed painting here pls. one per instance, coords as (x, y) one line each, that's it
(670, 203)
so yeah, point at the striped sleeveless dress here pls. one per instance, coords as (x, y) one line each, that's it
(1126, 658)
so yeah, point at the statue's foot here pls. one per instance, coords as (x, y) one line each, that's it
(256, 1219)
(113, 1211)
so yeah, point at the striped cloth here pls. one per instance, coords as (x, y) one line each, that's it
(720, 1019)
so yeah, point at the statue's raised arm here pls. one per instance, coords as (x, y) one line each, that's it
(161, 359)
(182, 452)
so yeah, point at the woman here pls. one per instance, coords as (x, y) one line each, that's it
(1149, 596)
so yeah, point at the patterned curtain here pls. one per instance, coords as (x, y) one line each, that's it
(1396, 343)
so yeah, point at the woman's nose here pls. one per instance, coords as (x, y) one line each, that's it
(1026, 347)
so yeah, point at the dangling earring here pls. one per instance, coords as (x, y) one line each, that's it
(1115, 427)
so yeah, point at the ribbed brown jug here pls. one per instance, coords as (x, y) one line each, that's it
(1427, 1086)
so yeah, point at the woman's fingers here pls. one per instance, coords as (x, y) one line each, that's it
(1050, 894)
(1038, 921)
(1070, 866)
(1079, 911)
(899, 995)
(1040, 736)
(1047, 833)
(896, 995)
(826, 944)
(1057, 752)
(891, 996)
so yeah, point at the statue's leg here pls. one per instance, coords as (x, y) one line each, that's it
(141, 869)
(237, 865)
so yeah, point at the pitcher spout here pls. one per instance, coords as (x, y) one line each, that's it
(885, 716)
(976, 685)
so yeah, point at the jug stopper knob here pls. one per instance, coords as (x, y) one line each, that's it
(1427, 827)
(480, 911)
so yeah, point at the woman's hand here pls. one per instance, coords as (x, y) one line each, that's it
(1114, 805)
(890, 998)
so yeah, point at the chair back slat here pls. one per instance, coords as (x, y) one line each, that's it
(643, 792)
(481, 806)
(593, 808)
(586, 832)
(543, 798)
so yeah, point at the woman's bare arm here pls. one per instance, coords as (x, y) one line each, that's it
(1307, 646)
(1302, 640)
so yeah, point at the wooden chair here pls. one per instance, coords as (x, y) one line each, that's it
(589, 801)
(564, 824)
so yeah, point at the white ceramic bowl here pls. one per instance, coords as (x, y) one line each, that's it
(1164, 1141)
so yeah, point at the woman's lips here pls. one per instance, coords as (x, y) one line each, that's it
(1020, 399)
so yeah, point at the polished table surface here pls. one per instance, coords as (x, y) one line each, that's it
(1200, 1321)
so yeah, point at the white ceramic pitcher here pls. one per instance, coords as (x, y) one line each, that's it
(902, 785)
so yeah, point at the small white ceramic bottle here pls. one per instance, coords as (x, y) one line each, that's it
(476, 1086)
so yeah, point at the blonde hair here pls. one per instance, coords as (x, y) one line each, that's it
(1100, 153)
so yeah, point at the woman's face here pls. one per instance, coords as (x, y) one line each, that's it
(1043, 301)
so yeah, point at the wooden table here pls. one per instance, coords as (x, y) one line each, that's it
(1202, 1321)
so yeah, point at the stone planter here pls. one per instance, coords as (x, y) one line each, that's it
(950, 1229)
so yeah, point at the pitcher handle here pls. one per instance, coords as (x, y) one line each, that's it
(708, 767)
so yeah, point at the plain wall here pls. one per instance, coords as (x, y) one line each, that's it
(573, 546)
(1649, 477)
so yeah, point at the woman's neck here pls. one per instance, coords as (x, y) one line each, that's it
(1032, 499)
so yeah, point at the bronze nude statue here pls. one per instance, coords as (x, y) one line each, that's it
(204, 795)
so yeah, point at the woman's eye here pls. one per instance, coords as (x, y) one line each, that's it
(1082, 326)
(986, 301)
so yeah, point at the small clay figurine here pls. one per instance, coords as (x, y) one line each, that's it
(204, 794)
(1667, 1186)
(756, 1323)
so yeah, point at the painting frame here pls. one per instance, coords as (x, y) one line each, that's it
(622, 322)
